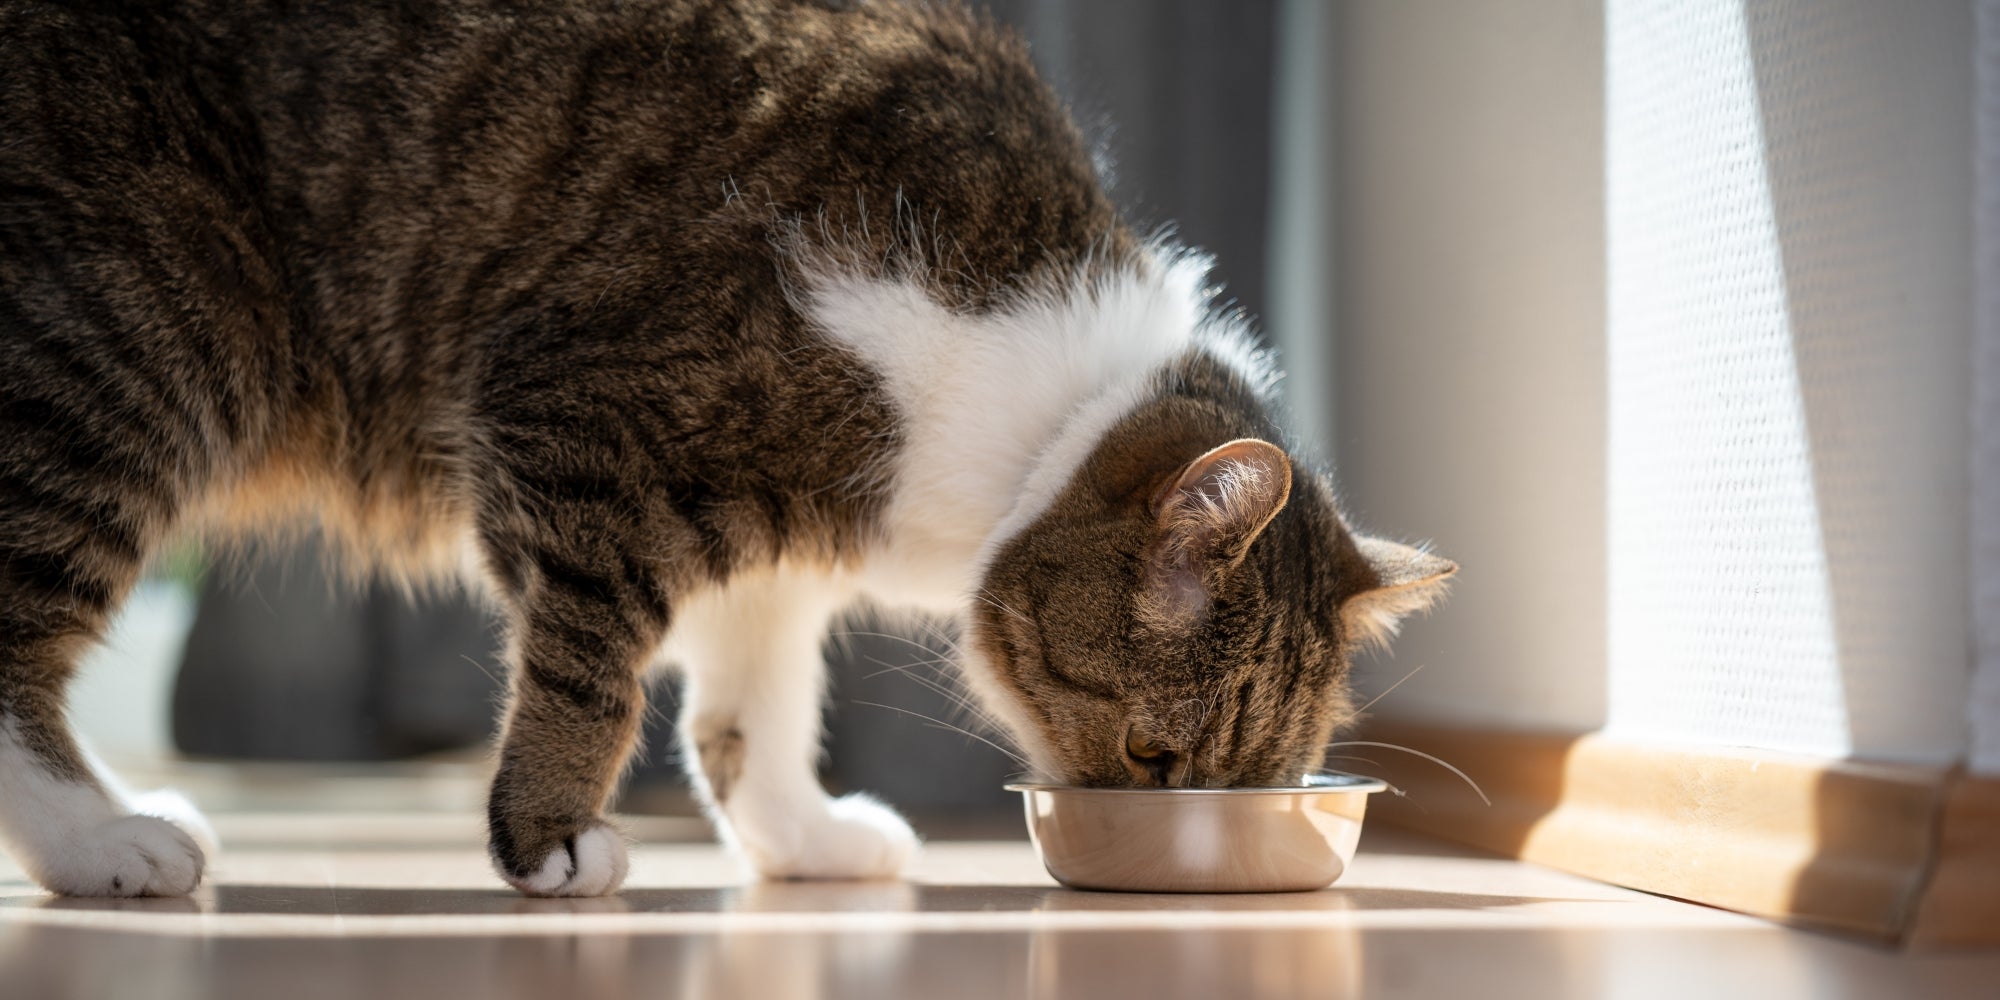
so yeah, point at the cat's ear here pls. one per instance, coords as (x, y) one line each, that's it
(1206, 517)
(1404, 580)
(1220, 502)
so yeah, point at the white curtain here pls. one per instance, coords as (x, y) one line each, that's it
(1789, 307)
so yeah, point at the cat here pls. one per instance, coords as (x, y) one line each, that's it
(680, 326)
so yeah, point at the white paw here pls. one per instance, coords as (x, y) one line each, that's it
(857, 837)
(592, 864)
(175, 808)
(127, 856)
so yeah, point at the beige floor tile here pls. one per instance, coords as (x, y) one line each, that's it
(396, 905)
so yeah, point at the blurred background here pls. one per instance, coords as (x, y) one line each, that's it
(1674, 323)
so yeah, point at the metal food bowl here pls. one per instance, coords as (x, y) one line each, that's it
(1288, 839)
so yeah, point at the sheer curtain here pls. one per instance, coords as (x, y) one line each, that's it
(1790, 289)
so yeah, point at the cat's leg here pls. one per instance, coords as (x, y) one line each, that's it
(143, 340)
(750, 731)
(587, 620)
(572, 723)
(78, 508)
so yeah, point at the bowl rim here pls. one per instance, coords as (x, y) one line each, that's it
(1316, 784)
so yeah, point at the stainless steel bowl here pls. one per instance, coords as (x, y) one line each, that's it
(1199, 839)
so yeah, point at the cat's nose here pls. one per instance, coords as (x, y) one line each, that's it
(1147, 758)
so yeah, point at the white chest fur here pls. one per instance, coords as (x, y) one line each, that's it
(998, 410)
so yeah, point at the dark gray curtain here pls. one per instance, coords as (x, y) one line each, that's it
(1177, 93)
(285, 662)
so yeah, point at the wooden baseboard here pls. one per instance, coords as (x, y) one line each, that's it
(1961, 907)
(1835, 844)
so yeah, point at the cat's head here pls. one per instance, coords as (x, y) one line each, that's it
(1183, 613)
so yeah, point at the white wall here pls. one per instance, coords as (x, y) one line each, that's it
(1985, 701)
(1470, 341)
(1789, 281)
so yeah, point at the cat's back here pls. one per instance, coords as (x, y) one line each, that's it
(623, 130)
(349, 232)
(433, 165)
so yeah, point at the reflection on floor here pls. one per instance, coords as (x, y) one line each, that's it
(396, 905)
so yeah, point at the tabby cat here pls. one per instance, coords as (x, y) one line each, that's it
(681, 325)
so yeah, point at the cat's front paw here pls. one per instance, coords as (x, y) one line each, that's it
(590, 862)
(126, 856)
(172, 806)
(856, 838)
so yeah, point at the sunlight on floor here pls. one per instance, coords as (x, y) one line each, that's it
(308, 904)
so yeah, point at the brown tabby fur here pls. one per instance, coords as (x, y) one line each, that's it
(1250, 692)
(442, 272)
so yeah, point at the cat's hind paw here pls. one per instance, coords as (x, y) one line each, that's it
(126, 856)
(591, 863)
(858, 838)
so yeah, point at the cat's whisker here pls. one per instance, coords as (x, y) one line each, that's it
(897, 668)
(1016, 758)
(1462, 776)
(893, 636)
(972, 712)
(987, 596)
(961, 701)
(1405, 796)
(944, 666)
(1391, 788)
(481, 667)
(938, 640)
(1337, 756)
(938, 634)
(1385, 691)
(890, 668)
(905, 640)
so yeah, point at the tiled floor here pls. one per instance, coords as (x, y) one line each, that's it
(401, 905)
